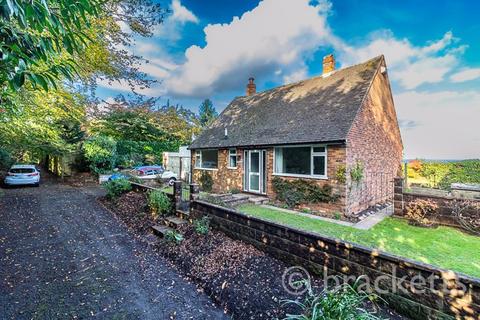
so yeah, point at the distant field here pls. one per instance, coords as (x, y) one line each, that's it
(441, 174)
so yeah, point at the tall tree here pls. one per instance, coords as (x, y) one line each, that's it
(207, 113)
(34, 36)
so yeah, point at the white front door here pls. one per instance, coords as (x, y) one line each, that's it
(255, 171)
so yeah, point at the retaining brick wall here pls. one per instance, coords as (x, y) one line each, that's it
(320, 254)
(443, 214)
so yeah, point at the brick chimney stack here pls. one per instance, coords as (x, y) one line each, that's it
(328, 64)
(251, 87)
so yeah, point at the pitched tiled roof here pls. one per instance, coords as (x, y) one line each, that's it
(320, 109)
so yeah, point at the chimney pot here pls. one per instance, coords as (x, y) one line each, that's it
(251, 87)
(328, 64)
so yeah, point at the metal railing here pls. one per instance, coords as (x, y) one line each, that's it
(375, 188)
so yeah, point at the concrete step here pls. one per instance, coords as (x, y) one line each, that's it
(174, 222)
(235, 198)
(161, 231)
(258, 200)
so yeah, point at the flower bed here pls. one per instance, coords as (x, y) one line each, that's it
(245, 281)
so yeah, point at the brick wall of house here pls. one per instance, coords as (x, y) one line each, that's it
(336, 157)
(224, 179)
(374, 140)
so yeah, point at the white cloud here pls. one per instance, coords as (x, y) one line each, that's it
(276, 35)
(181, 13)
(425, 70)
(172, 27)
(410, 65)
(466, 75)
(442, 124)
(295, 76)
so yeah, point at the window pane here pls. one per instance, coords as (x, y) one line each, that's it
(319, 165)
(278, 160)
(254, 182)
(255, 162)
(296, 160)
(233, 161)
(318, 149)
(209, 159)
(233, 151)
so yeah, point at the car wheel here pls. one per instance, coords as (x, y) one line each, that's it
(171, 181)
(37, 184)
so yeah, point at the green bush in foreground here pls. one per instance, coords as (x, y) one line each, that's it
(202, 225)
(116, 187)
(159, 202)
(174, 237)
(344, 302)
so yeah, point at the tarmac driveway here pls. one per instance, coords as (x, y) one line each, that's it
(62, 256)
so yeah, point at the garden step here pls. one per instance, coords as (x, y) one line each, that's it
(258, 200)
(161, 231)
(235, 198)
(182, 214)
(174, 222)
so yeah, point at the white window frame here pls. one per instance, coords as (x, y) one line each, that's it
(312, 155)
(230, 155)
(198, 155)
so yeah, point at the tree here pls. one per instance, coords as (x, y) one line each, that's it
(35, 34)
(207, 113)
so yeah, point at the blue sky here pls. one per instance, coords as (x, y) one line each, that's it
(208, 49)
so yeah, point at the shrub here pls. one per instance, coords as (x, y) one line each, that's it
(356, 172)
(300, 191)
(206, 181)
(101, 153)
(214, 200)
(341, 174)
(174, 236)
(159, 202)
(466, 212)
(467, 171)
(202, 225)
(420, 212)
(293, 198)
(116, 187)
(235, 191)
(5, 159)
(342, 302)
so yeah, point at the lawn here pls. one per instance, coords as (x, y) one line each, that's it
(168, 189)
(444, 247)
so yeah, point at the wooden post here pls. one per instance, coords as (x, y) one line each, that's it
(177, 193)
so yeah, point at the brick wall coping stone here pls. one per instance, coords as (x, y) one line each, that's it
(424, 195)
(350, 245)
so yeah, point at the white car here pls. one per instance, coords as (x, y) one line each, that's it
(23, 174)
(150, 173)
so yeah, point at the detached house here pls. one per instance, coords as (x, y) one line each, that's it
(338, 129)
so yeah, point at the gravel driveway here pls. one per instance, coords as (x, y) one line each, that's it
(62, 256)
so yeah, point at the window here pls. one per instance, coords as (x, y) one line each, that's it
(206, 159)
(301, 160)
(232, 158)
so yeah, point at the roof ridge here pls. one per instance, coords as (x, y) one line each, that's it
(311, 78)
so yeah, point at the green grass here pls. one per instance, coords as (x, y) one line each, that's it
(168, 189)
(443, 246)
